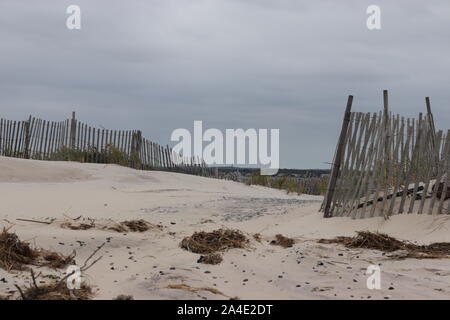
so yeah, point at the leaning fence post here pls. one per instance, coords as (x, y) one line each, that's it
(337, 159)
(431, 119)
(433, 134)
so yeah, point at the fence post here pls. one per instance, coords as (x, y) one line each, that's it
(136, 139)
(386, 126)
(73, 130)
(433, 133)
(337, 159)
(27, 139)
(431, 119)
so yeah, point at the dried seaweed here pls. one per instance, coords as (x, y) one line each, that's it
(58, 290)
(282, 241)
(77, 226)
(55, 291)
(56, 260)
(133, 226)
(217, 240)
(16, 254)
(385, 243)
(194, 289)
(212, 258)
(257, 237)
(124, 297)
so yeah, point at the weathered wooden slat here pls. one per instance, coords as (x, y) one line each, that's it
(2, 136)
(445, 177)
(394, 171)
(430, 167)
(370, 167)
(357, 160)
(419, 151)
(377, 179)
(337, 160)
(337, 200)
(404, 149)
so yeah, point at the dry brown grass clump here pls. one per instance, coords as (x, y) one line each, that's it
(369, 240)
(217, 240)
(56, 260)
(137, 225)
(213, 258)
(194, 289)
(57, 291)
(187, 287)
(122, 227)
(77, 226)
(282, 241)
(257, 237)
(132, 226)
(16, 254)
(124, 297)
(385, 243)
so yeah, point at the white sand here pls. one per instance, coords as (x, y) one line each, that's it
(144, 264)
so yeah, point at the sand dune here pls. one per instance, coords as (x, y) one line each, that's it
(147, 265)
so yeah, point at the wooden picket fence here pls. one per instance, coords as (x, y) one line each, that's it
(74, 140)
(385, 164)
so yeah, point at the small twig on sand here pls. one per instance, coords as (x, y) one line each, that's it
(20, 291)
(74, 219)
(85, 267)
(36, 221)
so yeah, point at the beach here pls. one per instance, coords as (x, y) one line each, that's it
(49, 196)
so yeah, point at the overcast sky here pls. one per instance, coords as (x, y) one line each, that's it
(159, 65)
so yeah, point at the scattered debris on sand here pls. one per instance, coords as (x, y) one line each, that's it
(77, 226)
(79, 223)
(217, 240)
(139, 225)
(385, 243)
(124, 297)
(257, 237)
(282, 241)
(57, 291)
(132, 226)
(16, 254)
(56, 260)
(36, 221)
(186, 287)
(203, 221)
(212, 258)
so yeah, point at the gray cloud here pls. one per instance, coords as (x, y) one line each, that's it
(158, 65)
